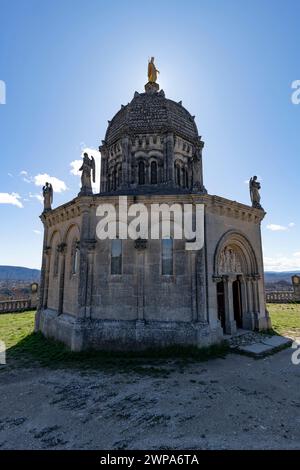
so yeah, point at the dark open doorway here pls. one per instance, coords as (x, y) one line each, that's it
(221, 303)
(237, 303)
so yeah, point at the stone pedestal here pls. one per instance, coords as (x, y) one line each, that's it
(151, 87)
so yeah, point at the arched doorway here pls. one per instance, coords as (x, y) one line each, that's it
(235, 274)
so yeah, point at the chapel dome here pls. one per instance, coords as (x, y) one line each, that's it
(152, 112)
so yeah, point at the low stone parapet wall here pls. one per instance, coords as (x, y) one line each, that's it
(280, 297)
(7, 306)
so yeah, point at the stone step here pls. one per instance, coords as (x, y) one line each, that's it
(265, 347)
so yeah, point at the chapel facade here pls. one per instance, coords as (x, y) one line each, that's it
(125, 294)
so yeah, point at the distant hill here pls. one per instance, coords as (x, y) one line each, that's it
(273, 276)
(18, 273)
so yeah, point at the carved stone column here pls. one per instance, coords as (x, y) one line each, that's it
(201, 293)
(169, 159)
(197, 169)
(90, 250)
(246, 314)
(44, 295)
(140, 246)
(230, 324)
(256, 306)
(83, 262)
(104, 170)
(125, 162)
(44, 262)
(147, 173)
(194, 297)
(62, 261)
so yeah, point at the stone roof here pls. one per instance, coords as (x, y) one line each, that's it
(152, 113)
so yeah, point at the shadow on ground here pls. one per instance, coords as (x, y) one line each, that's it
(37, 350)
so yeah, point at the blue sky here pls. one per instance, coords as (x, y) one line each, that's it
(69, 65)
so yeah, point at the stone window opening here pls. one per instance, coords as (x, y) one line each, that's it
(75, 257)
(167, 257)
(119, 177)
(141, 174)
(114, 181)
(56, 262)
(186, 179)
(177, 175)
(116, 256)
(153, 168)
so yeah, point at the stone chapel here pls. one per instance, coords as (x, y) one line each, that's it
(125, 294)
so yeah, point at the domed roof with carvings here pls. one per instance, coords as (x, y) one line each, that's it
(152, 112)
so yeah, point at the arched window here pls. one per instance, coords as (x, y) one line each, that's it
(116, 256)
(75, 257)
(178, 175)
(119, 176)
(114, 182)
(167, 256)
(183, 177)
(186, 179)
(141, 173)
(153, 173)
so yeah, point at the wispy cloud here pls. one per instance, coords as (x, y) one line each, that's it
(11, 198)
(40, 179)
(280, 228)
(26, 177)
(39, 197)
(282, 263)
(58, 185)
(75, 165)
(37, 232)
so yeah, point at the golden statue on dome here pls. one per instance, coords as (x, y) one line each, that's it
(152, 71)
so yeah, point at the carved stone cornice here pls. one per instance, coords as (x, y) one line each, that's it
(236, 210)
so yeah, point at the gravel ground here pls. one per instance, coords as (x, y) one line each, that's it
(232, 403)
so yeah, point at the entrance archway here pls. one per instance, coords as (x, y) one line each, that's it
(236, 277)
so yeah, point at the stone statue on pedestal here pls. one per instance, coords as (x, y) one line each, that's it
(48, 196)
(88, 169)
(254, 187)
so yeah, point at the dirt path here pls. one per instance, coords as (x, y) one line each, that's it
(236, 402)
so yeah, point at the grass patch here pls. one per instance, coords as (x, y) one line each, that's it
(285, 318)
(24, 347)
